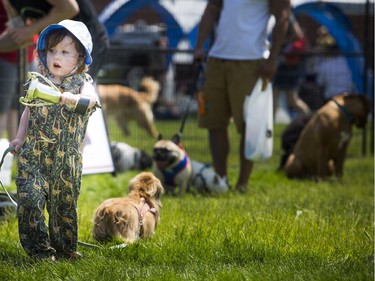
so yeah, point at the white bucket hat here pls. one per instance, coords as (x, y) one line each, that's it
(77, 28)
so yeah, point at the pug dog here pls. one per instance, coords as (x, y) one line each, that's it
(172, 166)
(126, 157)
(205, 179)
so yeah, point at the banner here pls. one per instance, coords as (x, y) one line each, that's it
(97, 157)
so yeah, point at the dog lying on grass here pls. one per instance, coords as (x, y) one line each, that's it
(126, 157)
(204, 179)
(172, 166)
(127, 104)
(321, 148)
(132, 217)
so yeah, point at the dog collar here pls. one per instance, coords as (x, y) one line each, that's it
(346, 112)
(170, 174)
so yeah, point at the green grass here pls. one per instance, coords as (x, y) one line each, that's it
(280, 230)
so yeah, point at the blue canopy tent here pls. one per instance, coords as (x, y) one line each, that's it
(339, 27)
(118, 12)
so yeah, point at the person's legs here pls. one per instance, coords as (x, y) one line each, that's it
(246, 167)
(243, 77)
(9, 121)
(12, 124)
(33, 232)
(8, 92)
(216, 114)
(3, 123)
(276, 97)
(296, 102)
(219, 147)
(63, 216)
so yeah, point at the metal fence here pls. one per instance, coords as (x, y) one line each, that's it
(173, 69)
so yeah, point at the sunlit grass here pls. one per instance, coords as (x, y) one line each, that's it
(280, 230)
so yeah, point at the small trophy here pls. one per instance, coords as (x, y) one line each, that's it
(37, 90)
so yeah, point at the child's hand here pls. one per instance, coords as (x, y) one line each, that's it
(16, 143)
(69, 99)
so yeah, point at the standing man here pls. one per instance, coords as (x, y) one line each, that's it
(235, 62)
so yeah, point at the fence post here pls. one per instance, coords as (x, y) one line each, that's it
(365, 81)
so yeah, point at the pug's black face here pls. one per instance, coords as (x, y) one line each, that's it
(166, 153)
(162, 154)
(145, 161)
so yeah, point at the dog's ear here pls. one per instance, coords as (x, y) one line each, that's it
(176, 138)
(148, 185)
(145, 161)
(160, 137)
(361, 111)
(159, 191)
(152, 189)
(132, 185)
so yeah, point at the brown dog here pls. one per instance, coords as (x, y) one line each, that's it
(321, 148)
(127, 104)
(172, 166)
(132, 217)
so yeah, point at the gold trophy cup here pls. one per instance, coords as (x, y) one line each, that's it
(50, 94)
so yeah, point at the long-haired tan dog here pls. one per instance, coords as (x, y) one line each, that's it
(132, 217)
(127, 104)
(321, 147)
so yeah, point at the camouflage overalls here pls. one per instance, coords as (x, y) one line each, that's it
(49, 174)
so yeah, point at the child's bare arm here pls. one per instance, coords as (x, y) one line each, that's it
(85, 100)
(22, 129)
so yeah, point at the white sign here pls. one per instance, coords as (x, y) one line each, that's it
(96, 154)
(6, 168)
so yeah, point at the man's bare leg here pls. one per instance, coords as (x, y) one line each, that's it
(219, 146)
(246, 167)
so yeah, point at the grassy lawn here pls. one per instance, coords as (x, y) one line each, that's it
(280, 230)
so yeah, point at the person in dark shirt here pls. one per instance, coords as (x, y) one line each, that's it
(28, 18)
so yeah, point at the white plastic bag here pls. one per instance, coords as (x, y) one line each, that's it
(258, 116)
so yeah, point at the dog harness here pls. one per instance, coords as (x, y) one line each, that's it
(200, 176)
(170, 174)
(345, 111)
(142, 209)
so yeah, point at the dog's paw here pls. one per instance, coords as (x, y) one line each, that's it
(219, 185)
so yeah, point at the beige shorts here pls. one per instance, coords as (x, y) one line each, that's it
(227, 84)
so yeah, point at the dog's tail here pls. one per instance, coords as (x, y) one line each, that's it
(150, 89)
